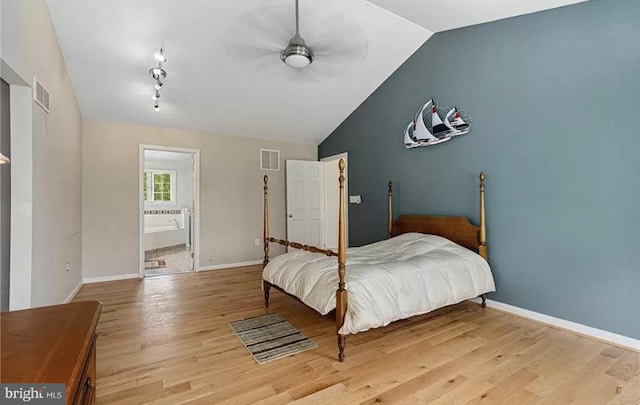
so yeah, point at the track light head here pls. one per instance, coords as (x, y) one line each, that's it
(160, 56)
(158, 73)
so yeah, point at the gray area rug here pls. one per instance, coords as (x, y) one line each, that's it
(270, 337)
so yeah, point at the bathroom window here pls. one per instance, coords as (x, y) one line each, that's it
(159, 186)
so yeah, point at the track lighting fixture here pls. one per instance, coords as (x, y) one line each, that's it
(158, 74)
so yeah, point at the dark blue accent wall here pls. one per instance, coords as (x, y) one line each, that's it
(555, 101)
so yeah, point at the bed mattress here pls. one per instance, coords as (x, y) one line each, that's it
(394, 279)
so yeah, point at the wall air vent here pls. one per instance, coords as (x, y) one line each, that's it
(269, 159)
(40, 95)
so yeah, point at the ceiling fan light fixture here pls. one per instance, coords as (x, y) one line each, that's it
(297, 56)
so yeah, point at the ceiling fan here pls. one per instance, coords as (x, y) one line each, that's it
(334, 45)
(297, 54)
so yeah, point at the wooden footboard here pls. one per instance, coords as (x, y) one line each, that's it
(300, 246)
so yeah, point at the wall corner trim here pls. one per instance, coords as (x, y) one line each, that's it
(92, 280)
(584, 330)
(73, 293)
(230, 265)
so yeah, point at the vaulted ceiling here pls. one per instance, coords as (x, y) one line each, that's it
(224, 72)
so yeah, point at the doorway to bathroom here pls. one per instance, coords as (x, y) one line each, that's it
(168, 208)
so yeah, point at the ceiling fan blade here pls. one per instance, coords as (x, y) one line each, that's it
(339, 39)
(268, 28)
(276, 23)
(347, 54)
(255, 64)
(243, 52)
(261, 32)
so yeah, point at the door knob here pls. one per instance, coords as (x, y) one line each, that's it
(290, 215)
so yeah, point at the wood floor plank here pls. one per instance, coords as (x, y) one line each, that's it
(166, 340)
(325, 396)
(506, 389)
(628, 394)
(431, 392)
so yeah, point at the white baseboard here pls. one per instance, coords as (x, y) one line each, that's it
(109, 278)
(135, 275)
(73, 293)
(230, 265)
(610, 337)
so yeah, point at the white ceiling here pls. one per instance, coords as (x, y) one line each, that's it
(215, 86)
(109, 45)
(442, 15)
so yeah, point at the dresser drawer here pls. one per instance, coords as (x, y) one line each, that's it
(86, 391)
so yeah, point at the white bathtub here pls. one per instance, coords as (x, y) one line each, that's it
(164, 230)
(160, 228)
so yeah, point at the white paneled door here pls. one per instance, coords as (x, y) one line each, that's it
(305, 202)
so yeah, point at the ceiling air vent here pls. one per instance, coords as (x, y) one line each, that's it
(40, 95)
(269, 159)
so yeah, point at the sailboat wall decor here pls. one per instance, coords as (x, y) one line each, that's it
(435, 130)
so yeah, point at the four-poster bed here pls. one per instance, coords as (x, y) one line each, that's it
(426, 263)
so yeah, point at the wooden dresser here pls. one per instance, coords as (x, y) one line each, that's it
(54, 344)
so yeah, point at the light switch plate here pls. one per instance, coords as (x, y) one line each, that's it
(355, 199)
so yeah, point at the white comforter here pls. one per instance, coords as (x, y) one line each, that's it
(408, 275)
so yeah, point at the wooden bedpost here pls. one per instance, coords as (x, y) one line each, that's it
(341, 293)
(265, 228)
(482, 245)
(266, 286)
(390, 210)
(482, 248)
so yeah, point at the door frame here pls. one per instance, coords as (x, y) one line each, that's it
(195, 211)
(21, 122)
(336, 158)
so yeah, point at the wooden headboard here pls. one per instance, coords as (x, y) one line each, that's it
(456, 229)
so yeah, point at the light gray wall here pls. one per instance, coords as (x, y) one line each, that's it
(230, 194)
(554, 98)
(30, 47)
(183, 180)
(5, 196)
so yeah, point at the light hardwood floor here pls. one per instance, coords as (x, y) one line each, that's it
(165, 340)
